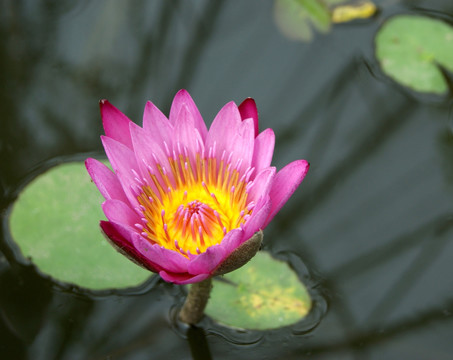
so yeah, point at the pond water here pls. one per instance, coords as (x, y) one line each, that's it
(372, 222)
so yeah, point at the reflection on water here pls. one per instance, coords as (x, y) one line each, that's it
(372, 220)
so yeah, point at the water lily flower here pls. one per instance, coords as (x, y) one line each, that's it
(182, 199)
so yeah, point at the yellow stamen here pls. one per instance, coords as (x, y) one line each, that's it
(206, 202)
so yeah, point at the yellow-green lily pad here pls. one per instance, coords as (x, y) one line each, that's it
(55, 223)
(411, 49)
(263, 294)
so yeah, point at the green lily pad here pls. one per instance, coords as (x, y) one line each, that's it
(411, 48)
(295, 18)
(263, 294)
(55, 222)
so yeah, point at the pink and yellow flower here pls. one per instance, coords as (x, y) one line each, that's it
(181, 198)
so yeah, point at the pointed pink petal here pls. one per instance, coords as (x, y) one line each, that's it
(123, 162)
(187, 137)
(156, 124)
(182, 98)
(144, 148)
(105, 180)
(118, 212)
(285, 183)
(223, 128)
(248, 110)
(243, 144)
(261, 184)
(264, 149)
(116, 124)
(118, 238)
(229, 134)
(149, 154)
(182, 279)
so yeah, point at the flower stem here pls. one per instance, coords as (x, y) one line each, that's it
(193, 308)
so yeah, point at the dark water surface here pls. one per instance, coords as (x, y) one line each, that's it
(373, 220)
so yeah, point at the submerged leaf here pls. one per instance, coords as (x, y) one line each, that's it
(55, 222)
(411, 50)
(360, 10)
(263, 294)
(296, 18)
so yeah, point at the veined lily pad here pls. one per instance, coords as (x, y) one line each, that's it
(411, 49)
(264, 294)
(55, 222)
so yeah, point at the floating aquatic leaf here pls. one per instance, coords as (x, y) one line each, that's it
(264, 294)
(295, 18)
(55, 222)
(411, 49)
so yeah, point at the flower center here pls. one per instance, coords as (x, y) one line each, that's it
(194, 207)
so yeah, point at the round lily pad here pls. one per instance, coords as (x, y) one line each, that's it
(263, 294)
(55, 223)
(411, 50)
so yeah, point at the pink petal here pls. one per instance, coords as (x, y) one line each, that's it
(206, 262)
(186, 135)
(123, 162)
(116, 124)
(261, 184)
(121, 234)
(118, 212)
(182, 279)
(182, 98)
(285, 183)
(248, 110)
(169, 260)
(243, 144)
(263, 150)
(156, 124)
(153, 255)
(229, 134)
(224, 128)
(118, 237)
(105, 180)
(232, 240)
(148, 155)
(257, 220)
